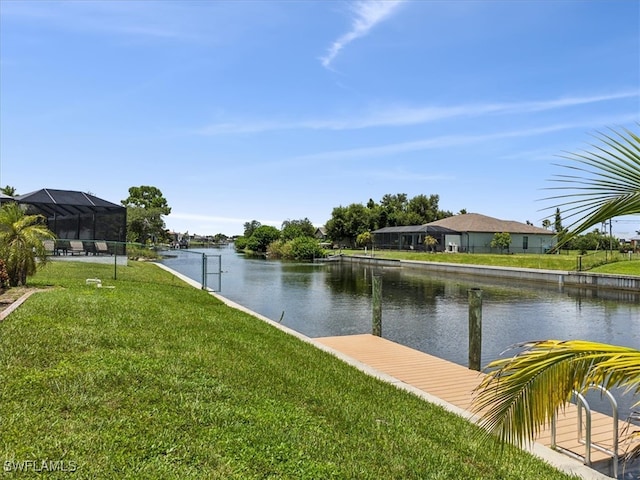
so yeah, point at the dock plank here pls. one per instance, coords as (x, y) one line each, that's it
(455, 384)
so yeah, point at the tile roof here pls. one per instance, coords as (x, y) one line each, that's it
(476, 223)
(426, 228)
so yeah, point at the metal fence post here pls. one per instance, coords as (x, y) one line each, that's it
(204, 271)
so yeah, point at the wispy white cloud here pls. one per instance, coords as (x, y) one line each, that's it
(566, 102)
(367, 14)
(396, 116)
(455, 140)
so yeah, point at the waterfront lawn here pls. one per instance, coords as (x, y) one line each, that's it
(157, 379)
(631, 267)
(550, 262)
(564, 261)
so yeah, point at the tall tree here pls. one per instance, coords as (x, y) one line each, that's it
(250, 227)
(393, 209)
(557, 224)
(347, 223)
(337, 225)
(21, 242)
(262, 237)
(9, 190)
(148, 197)
(297, 228)
(396, 202)
(145, 207)
(425, 208)
(521, 394)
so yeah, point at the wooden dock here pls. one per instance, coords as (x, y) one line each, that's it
(454, 384)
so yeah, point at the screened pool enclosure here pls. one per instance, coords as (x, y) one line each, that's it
(412, 237)
(75, 215)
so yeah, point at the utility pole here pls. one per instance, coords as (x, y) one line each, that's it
(611, 237)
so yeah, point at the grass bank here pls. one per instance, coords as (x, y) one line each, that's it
(600, 262)
(156, 379)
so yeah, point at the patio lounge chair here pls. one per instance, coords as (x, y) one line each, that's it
(76, 246)
(49, 246)
(101, 248)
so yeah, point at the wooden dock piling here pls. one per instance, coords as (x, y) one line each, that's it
(377, 305)
(475, 328)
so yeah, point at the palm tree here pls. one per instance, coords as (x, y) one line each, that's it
(603, 183)
(521, 394)
(21, 242)
(431, 242)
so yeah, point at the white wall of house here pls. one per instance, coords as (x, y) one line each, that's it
(520, 243)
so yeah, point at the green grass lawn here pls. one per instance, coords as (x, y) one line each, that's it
(156, 379)
(564, 261)
(619, 268)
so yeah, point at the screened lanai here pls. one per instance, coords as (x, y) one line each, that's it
(411, 237)
(75, 215)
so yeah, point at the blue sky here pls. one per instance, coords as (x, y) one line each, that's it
(276, 110)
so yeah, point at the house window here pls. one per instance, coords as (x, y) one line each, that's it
(525, 243)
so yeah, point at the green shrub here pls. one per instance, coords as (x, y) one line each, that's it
(240, 243)
(140, 252)
(262, 237)
(300, 248)
(279, 249)
(305, 248)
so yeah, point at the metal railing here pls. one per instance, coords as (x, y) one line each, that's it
(585, 440)
(204, 268)
(206, 273)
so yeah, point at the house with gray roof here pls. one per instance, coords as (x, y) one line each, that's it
(470, 233)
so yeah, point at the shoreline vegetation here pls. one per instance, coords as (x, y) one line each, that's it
(148, 377)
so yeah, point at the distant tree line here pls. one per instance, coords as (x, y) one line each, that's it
(295, 240)
(348, 223)
(595, 240)
(585, 242)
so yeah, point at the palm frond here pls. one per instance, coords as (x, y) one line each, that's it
(601, 184)
(521, 394)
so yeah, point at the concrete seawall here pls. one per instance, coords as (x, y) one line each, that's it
(558, 277)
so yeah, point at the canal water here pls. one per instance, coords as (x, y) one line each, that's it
(422, 310)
